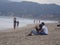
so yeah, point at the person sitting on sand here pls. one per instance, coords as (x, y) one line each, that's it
(42, 30)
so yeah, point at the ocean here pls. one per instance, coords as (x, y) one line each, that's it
(7, 22)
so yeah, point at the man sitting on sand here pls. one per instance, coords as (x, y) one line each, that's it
(42, 30)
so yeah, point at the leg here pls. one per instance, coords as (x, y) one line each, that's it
(14, 25)
(43, 33)
(33, 32)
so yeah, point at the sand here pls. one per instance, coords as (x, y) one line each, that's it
(19, 36)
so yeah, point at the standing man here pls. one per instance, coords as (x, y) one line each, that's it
(39, 21)
(17, 23)
(14, 22)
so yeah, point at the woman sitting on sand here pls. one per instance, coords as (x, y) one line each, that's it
(42, 30)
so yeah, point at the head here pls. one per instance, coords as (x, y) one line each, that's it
(43, 23)
(40, 26)
(14, 18)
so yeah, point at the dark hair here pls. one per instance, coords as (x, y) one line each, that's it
(40, 26)
(43, 23)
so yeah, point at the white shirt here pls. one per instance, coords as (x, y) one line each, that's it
(45, 29)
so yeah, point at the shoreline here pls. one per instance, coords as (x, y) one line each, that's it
(8, 22)
(21, 28)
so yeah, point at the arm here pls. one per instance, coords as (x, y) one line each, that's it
(37, 29)
(41, 30)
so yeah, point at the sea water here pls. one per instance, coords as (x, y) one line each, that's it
(7, 22)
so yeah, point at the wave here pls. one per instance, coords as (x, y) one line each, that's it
(7, 22)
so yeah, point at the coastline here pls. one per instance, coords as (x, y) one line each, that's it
(18, 28)
(7, 22)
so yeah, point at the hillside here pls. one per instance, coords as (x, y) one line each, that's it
(30, 10)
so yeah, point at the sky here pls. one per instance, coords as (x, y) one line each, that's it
(41, 1)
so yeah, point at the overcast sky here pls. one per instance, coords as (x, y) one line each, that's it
(41, 1)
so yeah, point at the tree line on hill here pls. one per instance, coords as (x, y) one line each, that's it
(30, 10)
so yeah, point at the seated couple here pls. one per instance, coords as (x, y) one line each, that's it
(42, 30)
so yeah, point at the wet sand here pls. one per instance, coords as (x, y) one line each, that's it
(19, 36)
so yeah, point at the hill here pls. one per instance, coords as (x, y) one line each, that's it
(30, 10)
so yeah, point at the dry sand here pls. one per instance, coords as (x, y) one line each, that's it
(19, 36)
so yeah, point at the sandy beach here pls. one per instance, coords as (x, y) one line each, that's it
(19, 36)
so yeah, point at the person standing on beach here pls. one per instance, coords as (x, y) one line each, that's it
(17, 23)
(14, 22)
(39, 21)
(34, 21)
